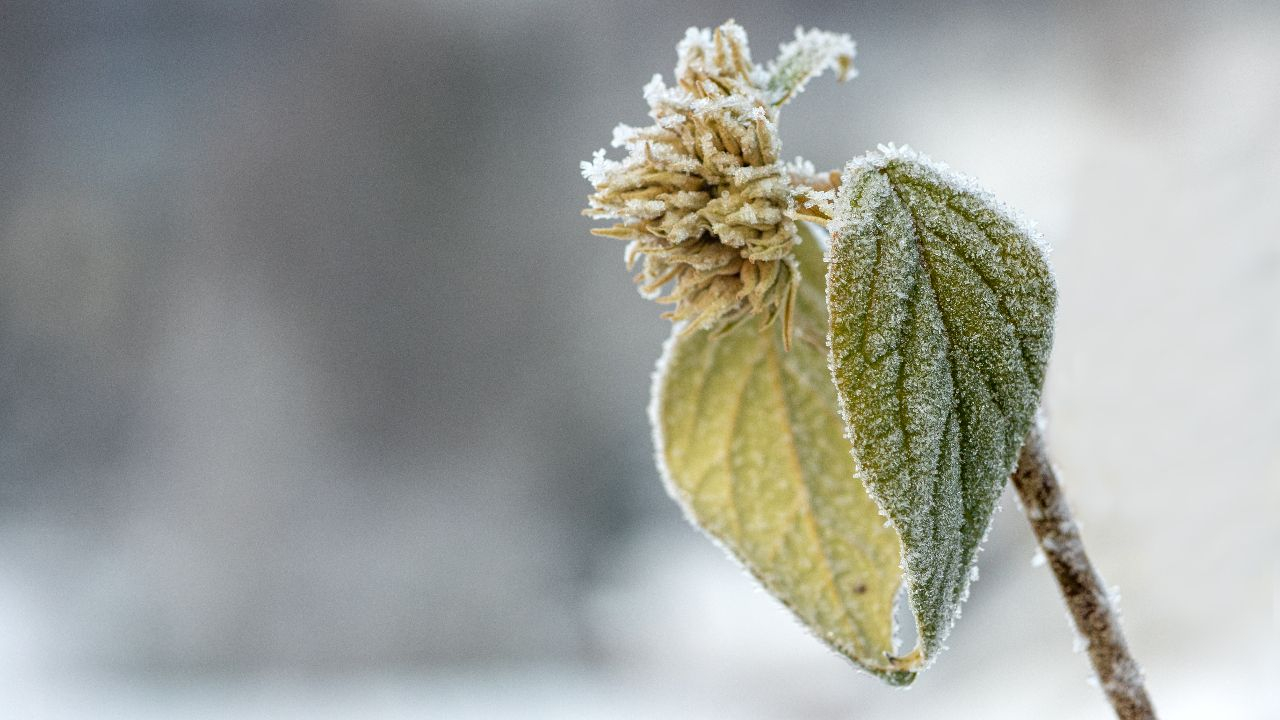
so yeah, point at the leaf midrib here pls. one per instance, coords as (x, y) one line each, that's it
(1005, 312)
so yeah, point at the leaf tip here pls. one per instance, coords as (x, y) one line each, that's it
(899, 678)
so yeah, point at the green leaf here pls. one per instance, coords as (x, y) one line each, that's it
(751, 444)
(942, 308)
(808, 56)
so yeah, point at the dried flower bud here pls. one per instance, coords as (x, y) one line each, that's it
(702, 194)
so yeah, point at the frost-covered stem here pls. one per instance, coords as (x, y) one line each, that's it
(1086, 595)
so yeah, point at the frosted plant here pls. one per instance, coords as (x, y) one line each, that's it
(702, 194)
(866, 459)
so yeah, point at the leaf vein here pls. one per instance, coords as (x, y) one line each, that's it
(804, 494)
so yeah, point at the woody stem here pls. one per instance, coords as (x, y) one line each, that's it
(1082, 588)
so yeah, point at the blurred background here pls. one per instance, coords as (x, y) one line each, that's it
(317, 399)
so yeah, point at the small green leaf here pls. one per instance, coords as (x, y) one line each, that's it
(751, 444)
(808, 56)
(942, 308)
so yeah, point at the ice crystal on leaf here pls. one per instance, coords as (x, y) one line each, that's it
(702, 195)
(808, 56)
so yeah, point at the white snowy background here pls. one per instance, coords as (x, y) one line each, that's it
(317, 400)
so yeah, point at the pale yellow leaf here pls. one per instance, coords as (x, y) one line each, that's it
(752, 445)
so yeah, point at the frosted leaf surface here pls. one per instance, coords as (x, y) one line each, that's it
(751, 444)
(808, 56)
(942, 306)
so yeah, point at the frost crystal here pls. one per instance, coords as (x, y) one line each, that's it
(702, 195)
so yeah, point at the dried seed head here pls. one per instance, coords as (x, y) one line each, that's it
(702, 195)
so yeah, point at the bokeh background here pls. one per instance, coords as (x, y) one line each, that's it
(317, 400)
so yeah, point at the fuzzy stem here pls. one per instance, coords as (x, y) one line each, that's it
(1082, 587)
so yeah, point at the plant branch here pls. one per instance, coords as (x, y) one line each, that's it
(1082, 588)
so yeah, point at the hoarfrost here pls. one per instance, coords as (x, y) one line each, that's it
(599, 167)
(808, 56)
(702, 194)
(801, 167)
(623, 136)
(942, 309)
(956, 183)
(1078, 642)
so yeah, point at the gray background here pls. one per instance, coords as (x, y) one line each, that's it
(318, 400)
